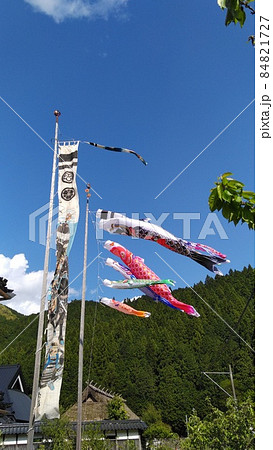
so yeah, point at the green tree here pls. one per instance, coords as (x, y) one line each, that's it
(116, 410)
(164, 357)
(236, 204)
(233, 429)
(159, 431)
(92, 438)
(58, 434)
(151, 415)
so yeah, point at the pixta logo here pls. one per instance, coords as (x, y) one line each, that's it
(209, 226)
(38, 221)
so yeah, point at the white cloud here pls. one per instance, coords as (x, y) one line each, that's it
(73, 292)
(93, 291)
(26, 285)
(60, 10)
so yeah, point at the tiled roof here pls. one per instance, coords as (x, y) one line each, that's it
(19, 402)
(8, 375)
(105, 425)
(20, 405)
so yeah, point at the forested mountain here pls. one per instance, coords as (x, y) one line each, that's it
(158, 360)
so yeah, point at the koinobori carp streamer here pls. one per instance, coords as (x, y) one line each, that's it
(117, 223)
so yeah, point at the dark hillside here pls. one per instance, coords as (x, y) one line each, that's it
(159, 360)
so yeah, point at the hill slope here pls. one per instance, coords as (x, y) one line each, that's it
(159, 360)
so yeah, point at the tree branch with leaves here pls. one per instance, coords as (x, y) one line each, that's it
(236, 204)
(116, 409)
(236, 12)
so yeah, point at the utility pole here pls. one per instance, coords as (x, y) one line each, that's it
(232, 383)
(37, 365)
(80, 370)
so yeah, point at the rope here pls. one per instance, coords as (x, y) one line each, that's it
(206, 303)
(43, 140)
(25, 122)
(38, 315)
(19, 334)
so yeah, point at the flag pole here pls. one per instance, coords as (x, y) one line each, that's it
(36, 375)
(81, 338)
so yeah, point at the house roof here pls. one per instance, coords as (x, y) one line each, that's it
(8, 375)
(19, 402)
(105, 425)
(20, 405)
(94, 407)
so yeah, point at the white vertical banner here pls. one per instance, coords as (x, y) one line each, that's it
(51, 378)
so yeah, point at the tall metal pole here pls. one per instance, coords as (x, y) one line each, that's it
(81, 338)
(232, 383)
(36, 375)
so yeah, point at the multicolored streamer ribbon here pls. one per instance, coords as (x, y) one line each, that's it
(135, 283)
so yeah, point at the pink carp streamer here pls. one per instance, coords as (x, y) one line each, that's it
(141, 271)
(146, 290)
(123, 307)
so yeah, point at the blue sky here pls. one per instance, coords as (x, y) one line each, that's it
(164, 78)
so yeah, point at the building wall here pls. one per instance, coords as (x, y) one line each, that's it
(119, 439)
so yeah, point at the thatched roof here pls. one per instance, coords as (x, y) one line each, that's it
(94, 405)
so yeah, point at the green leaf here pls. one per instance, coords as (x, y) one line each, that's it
(235, 12)
(248, 195)
(234, 184)
(225, 178)
(241, 16)
(226, 210)
(229, 18)
(232, 4)
(213, 199)
(237, 183)
(247, 215)
(226, 174)
(215, 203)
(227, 196)
(220, 190)
(233, 191)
